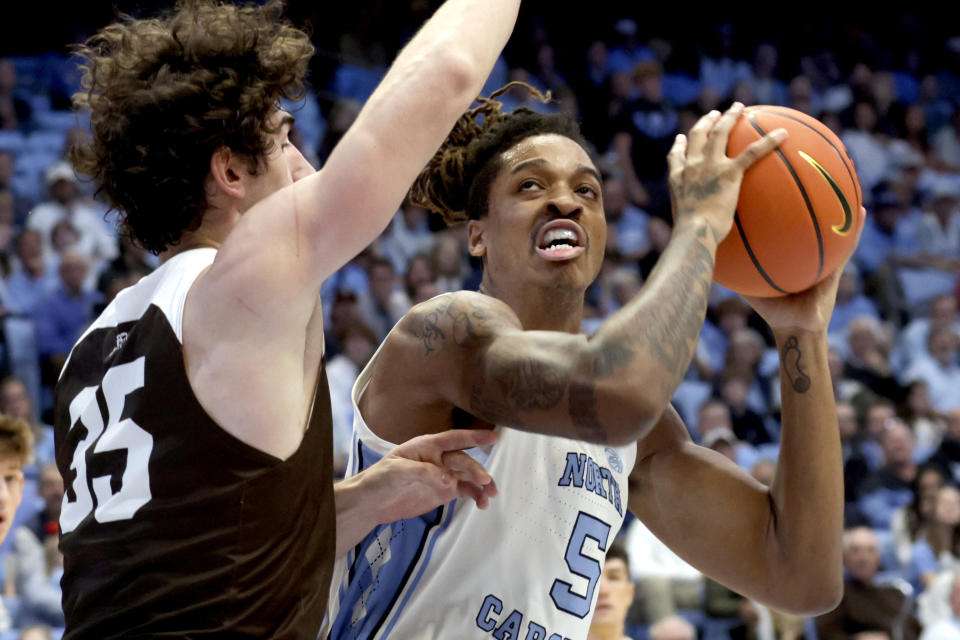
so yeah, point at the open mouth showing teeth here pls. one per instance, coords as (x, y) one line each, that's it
(556, 239)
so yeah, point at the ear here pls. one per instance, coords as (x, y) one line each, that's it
(476, 242)
(229, 172)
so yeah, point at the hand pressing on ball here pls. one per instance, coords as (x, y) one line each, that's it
(704, 181)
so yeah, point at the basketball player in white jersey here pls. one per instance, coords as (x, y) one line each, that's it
(192, 419)
(512, 357)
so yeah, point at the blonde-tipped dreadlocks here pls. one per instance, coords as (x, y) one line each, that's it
(456, 181)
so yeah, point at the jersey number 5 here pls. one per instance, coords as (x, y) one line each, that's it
(116, 435)
(562, 592)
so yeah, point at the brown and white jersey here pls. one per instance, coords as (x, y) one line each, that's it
(171, 526)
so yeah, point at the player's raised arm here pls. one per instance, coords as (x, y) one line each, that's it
(301, 234)
(779, 545)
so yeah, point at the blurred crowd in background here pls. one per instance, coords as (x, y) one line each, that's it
(889, 86)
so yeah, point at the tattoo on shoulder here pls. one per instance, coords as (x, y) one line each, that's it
(427, 327)
(790, 357)
(473, 320)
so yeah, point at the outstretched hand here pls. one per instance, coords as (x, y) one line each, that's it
(808, 310)
(431, 470)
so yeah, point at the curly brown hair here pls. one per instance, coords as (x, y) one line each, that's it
(165, 93)
(456, 182)
(16, 439)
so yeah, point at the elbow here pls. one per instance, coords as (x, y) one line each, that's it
(634, 418)
(459, 75)
(819, 594)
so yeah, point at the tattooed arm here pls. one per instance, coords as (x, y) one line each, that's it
(610, 387)
(779, 545)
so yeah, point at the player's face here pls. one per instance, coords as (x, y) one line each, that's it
(615, 594)
(545, 221)
(11, 492)
(283, 164)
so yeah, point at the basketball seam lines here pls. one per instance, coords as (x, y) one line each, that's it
(840, 154)
(756, 262)
(803, 192)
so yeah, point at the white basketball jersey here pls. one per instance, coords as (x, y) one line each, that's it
(526, 568)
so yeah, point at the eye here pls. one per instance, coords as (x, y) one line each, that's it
(587, 190)
(529, 185)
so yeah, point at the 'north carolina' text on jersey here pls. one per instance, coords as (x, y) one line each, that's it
(172, 527)
(526, 568)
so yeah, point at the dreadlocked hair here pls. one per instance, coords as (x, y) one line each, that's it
(456, 182)
(165, 93)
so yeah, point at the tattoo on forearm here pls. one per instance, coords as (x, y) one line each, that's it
(531, 385)
(610, 357)
(672, 328)
(583, 412)
(791, 356)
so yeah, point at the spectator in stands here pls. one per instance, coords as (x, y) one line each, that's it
(948, 626)
(948, 454)
(626, 224)
(851, 303)
(645, 132)
(419, 272)
(36, 275)
(385, 303)
(15, 450)
(342, 115)
(936, 548)
(765, 83)
(95, 241)
(909, 524)
(64, 314)
(946, 140)
(937, 259)
(614, 595)
(856, 465)
(36, 632)
(919, 414)
(912, 340)
(890, 487)
(407, 235)
(868, 607)
(359, 343)
(450, 263)
(866, 145)
(672, 628)
(745, 353)
(868, 357)
(15, 401)
(15, 110)
(939, 368)
(21, 204)
(665, 583)
(724, 318)
(748, 425)
(658, 231)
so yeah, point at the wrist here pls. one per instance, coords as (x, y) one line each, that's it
(783, 334)
(356, 500)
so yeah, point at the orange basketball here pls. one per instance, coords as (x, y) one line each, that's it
(798, 211)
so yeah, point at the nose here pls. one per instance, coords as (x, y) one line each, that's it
(564, 205)
(300, 168)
